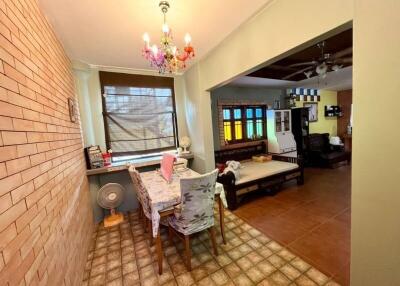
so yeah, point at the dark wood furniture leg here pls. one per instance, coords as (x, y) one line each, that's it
(221, 219)
(159, 252)
(211, 231)
(188, 253)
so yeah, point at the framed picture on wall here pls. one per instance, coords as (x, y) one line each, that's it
(312, 111)
(72, 109)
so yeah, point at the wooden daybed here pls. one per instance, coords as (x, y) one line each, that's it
(255, 175)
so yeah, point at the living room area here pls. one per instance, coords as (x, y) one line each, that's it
(319, 105)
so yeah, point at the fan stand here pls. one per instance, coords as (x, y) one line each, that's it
(114, 218)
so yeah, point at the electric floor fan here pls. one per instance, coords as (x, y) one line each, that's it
(109, 197)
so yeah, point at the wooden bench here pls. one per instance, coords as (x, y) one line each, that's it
(259, 176)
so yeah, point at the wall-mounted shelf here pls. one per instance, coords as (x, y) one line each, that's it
(333, 111)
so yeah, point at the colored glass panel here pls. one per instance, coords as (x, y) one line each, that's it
(258, 112)
(250, 129)
(227, 131)
(259, 128)
(238, 130)
(249, 113)
(227, 114)
(237, 113)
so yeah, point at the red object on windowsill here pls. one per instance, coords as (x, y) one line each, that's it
(107, 159)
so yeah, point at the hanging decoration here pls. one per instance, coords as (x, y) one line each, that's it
(166, 57)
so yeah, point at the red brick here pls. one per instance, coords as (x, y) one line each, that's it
(10, 110)
(5, 31)
(30, 114)
(6, 56)
(26, 149)
(5, 123)
(22, 191)
(37, 159)
(30, 173)
(8, 153)
(26, 218)
(15, 40)
(13, 138)
(12, 214)
(18, 165)
(35, 223)
(32, 272)
(10, 183)
(24, 91)
(23, 125)
(7, 235)
(8, 83)
(5, 202)
(16, 244)
(3, 170)
(23, 69)
(15, 75)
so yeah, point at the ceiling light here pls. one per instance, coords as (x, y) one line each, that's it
(166, 56)
(308, 74)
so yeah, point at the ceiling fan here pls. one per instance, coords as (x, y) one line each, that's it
(325, 63)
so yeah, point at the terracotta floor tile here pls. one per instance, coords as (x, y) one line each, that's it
(312, 220)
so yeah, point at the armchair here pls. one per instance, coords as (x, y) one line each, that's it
(323, 154)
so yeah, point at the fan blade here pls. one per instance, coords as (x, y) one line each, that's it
(342, 53)
(304, 64)
(348, 60)
(296, 73)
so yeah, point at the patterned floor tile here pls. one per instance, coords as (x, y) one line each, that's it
(123, 255)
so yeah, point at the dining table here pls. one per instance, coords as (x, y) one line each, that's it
(165, 195)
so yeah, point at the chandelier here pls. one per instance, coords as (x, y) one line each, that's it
(167, 57)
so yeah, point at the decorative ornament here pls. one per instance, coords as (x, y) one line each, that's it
(167, 57)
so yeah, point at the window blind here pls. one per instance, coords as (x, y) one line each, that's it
(139, 119)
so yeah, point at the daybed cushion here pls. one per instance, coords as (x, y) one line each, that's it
(251, 170)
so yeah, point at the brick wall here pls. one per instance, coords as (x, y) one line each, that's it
(45, 213)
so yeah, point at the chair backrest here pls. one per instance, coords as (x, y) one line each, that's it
(141, 191)
(198, 201)
(319, 142)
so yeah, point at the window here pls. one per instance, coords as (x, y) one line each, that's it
(139, 114)
(244, 123)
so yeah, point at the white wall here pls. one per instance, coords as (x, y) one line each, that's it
(375, 235)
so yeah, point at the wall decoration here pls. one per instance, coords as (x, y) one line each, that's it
(72, 109)
(313, 111)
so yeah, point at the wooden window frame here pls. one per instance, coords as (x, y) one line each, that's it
(244, 119)
(140, 81)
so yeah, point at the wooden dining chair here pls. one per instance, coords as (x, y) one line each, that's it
(196, 211)
(143, 200)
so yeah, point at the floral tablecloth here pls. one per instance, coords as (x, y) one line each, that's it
(164, 195)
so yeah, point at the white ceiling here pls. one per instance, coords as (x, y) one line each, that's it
(339, 80)
(109, 32)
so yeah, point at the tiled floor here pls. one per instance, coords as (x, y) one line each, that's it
(312, 221)
(122, 255)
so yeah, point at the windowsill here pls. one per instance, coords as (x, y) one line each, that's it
(140, 158)
(242, 144)
(137, 162)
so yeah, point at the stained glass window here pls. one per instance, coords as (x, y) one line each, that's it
(244, 123)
